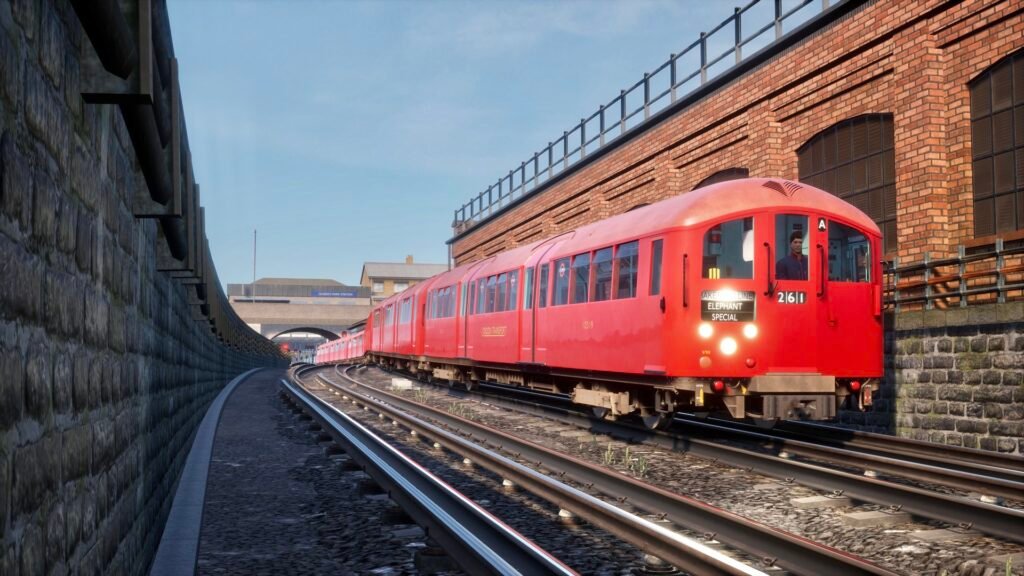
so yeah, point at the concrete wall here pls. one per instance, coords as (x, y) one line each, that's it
(104, 369)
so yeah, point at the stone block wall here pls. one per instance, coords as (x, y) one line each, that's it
(105, 370)
(955, 377)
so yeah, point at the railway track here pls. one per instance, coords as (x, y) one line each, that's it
(826, 467)
(481, 543)
(774, 547)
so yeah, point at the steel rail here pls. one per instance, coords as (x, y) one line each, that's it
(931, 472)
(961, 468)
(789, 551)
(476, 540)
(990, 519)
(649, 536)
(1004, 465)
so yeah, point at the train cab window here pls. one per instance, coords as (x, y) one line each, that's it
(580, 277)
(655, 268)
(561, 272)
(513, 288)
(625, 269)
(791, 250)
(528, 296)
(542, 295)
(462, 293)
(501, 298)
(849, 254)
(602, 289)
(729, 250)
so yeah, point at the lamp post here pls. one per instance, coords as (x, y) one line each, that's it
(253, 265)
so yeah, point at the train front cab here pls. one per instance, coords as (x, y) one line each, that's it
(786, 305)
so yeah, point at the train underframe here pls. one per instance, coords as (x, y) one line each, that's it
(654, 398)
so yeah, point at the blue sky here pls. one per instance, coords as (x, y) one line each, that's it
(349, 131)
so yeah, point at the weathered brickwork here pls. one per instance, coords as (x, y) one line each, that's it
(104, 370)
(912, 59)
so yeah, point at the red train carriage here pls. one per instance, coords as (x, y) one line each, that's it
(761, 296)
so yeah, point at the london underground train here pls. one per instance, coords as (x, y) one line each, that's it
(762, 297)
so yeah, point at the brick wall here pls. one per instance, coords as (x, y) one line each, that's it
(912, 59)
(104, 369)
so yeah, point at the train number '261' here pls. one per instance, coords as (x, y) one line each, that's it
(792, 297)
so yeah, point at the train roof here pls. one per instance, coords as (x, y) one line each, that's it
(716, 203)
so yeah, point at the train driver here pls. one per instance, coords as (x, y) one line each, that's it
(794, 265)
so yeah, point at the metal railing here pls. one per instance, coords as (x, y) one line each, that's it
(982, 272)
(683, 74)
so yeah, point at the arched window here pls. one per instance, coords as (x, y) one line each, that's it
(997, 146)
(854, 160)
(722, 176)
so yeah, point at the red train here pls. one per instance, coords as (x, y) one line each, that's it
(349, 345)
(760, 296)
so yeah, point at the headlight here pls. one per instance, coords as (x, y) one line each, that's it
(705, 330)
(750, 331)
(727, 346)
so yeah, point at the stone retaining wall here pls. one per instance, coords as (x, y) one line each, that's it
(954, 376)
(104, 370)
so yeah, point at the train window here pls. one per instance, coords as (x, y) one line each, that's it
(543, 288)
(625, 269)
(389, 315)
(492, 292)
(849, 253)
(501, 297)
(791, 258)
(481, 295)
(729, 250)
(602, 275)
(528, 296)
(655, 268)
(561, 273)
(580, 277)
(462, 310)
(513, 287)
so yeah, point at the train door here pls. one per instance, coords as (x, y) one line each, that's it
(651, 315)
(790, 293)
(850, 315)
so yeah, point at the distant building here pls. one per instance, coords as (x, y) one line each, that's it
(383, 279)
(306, 310)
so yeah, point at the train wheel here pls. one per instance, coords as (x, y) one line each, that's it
(599, 413)
(656, 421)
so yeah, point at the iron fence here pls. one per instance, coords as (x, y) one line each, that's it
(729, 44)
(983, 271)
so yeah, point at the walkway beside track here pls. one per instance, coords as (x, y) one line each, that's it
(275, 502)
